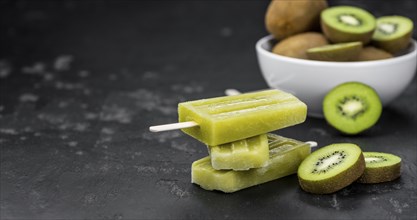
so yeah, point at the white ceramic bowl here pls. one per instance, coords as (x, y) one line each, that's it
(311, 80)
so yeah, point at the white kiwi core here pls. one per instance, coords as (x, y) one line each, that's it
(373, 159)
(352, 108)
(387, 28)
(349, 20)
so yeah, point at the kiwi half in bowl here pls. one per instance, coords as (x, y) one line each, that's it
(380, 167)
(336, 52)
(352, 107)
(331, 168)
(393, 33)
(347, 24)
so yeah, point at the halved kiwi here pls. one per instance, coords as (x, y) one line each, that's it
(393, 33)
(336, 52)
(331, 168)
(297, 45)
(372, 53)
(347, 24)
(352, 107)
(380, 167)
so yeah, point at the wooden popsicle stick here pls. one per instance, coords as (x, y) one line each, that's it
(230, 92)
(187, 124)
(312, 144)
(173, 126)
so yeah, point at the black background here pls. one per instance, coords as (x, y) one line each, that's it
(75, 142)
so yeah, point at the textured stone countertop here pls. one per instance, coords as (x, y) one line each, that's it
(81, 82)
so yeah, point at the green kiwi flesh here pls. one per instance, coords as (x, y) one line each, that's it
(297, 45)
(285, 18)
(352, 107)
(331, 168)
(347, 24)
(393, 33)
(380, 167)
(370, 53)
(336, 52)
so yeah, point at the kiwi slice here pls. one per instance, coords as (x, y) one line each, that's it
(372, 53)
(352, 107)
(297, 45)
(285, 18)
(380, 167)
(393, 33)
(331, 168)
(336, 52)
(347, 24)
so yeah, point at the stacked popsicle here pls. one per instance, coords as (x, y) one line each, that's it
(235, 128)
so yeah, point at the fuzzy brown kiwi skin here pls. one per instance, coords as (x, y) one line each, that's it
(394, 46)
(335, 36)
(336, 183)
(380, 174)
(371, 53)
(285, 18)
(297, 45)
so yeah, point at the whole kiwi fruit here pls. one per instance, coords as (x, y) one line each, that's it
(372, 53)
(297, 45)
(288, 17)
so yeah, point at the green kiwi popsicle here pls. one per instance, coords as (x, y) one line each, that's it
(285, 155)
(226, 119)
(243, 154)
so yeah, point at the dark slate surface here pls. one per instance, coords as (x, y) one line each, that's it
(81, 82)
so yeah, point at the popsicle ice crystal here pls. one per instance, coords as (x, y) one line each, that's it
(243, 154)
(226, 119)
(285, 155)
